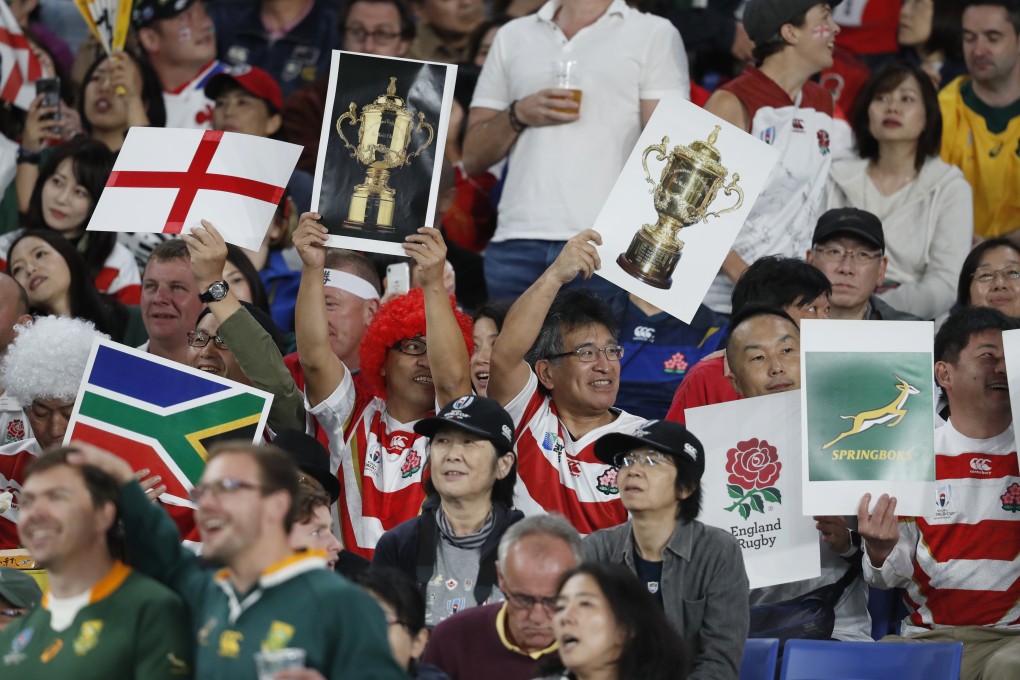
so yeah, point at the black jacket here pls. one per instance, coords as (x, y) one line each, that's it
(411, 547)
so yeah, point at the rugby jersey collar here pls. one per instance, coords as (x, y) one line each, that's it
(103, 588)
(273, 575)
(547, 11)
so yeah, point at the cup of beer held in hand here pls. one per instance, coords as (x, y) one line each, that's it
(566, 75)
(691, 179)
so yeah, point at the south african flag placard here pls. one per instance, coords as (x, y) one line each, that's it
(161, 415)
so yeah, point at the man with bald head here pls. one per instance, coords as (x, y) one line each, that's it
(13, 311)
(510, 639)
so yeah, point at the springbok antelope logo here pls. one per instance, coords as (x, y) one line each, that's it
(890, 415)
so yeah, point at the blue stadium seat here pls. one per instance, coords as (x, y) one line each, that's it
(759, 661)
(887, 611)
(827, 660)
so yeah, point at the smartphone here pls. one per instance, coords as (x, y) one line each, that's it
(49, 88)
(398, 278)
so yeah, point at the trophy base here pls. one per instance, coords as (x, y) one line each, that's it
(370, 227)
(650, 262)
(372, 205)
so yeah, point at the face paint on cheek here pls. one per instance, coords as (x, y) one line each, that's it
(184, 35)
(822, 31)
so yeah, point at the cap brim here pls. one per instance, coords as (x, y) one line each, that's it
(613, 443)
(852, 231)
(218, 83)
(429, 427)
(329, 482)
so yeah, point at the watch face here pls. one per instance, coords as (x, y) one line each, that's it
(218, 290)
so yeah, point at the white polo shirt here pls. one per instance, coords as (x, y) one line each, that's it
(559, 175)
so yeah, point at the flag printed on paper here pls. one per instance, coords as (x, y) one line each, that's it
(166, 180)
(869, 404)
(19, 67)
(751, 485)
(160, 415)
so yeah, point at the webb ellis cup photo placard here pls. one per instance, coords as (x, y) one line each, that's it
(381, 149)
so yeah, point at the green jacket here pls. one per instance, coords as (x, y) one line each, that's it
(132, 629)
(296, 603)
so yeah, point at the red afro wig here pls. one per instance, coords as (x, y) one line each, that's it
(400, 318)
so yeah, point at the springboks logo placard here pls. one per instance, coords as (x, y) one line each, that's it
(867, 396)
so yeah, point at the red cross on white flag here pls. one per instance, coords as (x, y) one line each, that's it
(19, 67)
(166, 180)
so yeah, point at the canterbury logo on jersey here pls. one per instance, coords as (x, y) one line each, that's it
(644, 333)
(982, 466)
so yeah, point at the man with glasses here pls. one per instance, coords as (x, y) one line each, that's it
(695, 572)
(849, 248)
(509, 640)
(370, 423)
(565, 403)
(266, 597)
(381, 27)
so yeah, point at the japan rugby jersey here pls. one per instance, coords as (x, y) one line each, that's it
(14, 458)
(557, 473)
(14, 425)
(187, 106)
(966, 571)
(378, 461)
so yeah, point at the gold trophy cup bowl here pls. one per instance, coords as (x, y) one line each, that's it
(687, 187)
(384, 134)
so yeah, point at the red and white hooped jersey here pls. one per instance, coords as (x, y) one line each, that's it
(187, 106)
(14, 458)
(378, 460)
(557, 473)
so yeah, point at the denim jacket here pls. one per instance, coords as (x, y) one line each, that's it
(704, 591)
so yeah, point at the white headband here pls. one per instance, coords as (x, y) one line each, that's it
(355, 285)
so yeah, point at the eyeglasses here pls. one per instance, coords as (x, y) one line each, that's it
(381, 38)
(218, 488)
(834, 254)
(413, 346)
(590, 354)
(632, 458)
(987, 276)
(528, 602)
(201, 339)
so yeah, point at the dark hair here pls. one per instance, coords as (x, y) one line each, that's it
(496, 311)
(277, 470)
(971, 263)
(236, 257)
(776, 281)
(957, 330)
(308, 498)
(754, 311)
(946, 30)
(475, 41)
(407, 25)
(883, 81)
(102, 488)
(690, 507)
(776, 43)
(399, 591)
(262, 318)
(652, 649)
(91, 163)
(1012, 8)
(502, 490)
(152, 91)
(109, 316)
(572, 309)
(171, 249)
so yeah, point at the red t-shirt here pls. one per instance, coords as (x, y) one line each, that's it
(705, 384)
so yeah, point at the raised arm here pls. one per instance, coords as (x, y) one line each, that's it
(889, 545)
(448, 355)
(323, 370)
(509, 372)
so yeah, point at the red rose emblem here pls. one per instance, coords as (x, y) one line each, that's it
(606, 482)
(15, 431)
(753, 464)
(1011, 499)
(411, 464)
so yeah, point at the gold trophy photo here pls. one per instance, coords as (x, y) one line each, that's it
(380, 154)
(385, 128)
(687, 188)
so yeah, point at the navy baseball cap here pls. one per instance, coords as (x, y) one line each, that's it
(478, 415)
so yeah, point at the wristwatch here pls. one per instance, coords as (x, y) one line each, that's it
(217, 291)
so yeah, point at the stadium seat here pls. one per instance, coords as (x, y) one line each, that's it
(759, 661)
(828, 660)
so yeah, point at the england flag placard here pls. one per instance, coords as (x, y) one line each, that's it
(167, 180)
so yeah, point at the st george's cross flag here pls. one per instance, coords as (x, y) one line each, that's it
(19, 67)
(162, 416)
(167, 180)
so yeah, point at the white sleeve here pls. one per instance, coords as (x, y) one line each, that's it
(665, 68)
(898, 569)
(518, 406)
(334, 411)
(493, 89)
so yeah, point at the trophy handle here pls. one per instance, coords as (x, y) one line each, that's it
(729, 189)
(661, 151)
(422, 124)
(350, 114)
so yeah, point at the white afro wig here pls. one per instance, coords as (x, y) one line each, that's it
(47, 359)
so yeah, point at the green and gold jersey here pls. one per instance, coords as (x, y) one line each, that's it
(131, 627)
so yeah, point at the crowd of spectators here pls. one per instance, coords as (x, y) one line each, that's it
(496, 462)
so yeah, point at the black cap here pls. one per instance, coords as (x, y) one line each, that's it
(19, 588)
(664, 436)
(859, 223)
(311, 458)
(147, 11)
(478, 415)
(764, 18)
